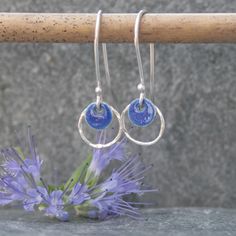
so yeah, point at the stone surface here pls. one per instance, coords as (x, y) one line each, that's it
(166, 222)
(48, 85)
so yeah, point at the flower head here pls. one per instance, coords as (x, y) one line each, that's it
(34, 197)
(56, 205)
(102, 157)
(112, 206)
(78, 194)
(16, 162)
(20, 176)
(107, 198)
(21, 181)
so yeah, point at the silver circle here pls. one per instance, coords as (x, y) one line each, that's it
(162, 128)
(99, 145)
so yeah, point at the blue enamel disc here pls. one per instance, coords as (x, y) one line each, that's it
(141, 116)
(98, 119)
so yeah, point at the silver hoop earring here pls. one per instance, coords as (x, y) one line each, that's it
(98, 115)
(141, 111)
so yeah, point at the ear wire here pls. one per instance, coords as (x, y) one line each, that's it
(98, 89)
(152, 70)
(141, 86)
(106, 65)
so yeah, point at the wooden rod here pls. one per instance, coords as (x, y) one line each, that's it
(118, 28)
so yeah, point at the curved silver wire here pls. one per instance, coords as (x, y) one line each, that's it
(106, 65)
(140, 67)
(97, 63)
(98, 89)
(152, 70)
(141, 86)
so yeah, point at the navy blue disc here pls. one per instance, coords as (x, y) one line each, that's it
(98, 119)
(141, 116)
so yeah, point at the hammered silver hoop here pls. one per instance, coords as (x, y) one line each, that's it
(148, 143)
(100, 145)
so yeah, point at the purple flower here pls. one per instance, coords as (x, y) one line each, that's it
(78, 194)
(5, 198)
(12, 161)
(20, 175)
(55, 205)
(102, 157)
(33, 163)
(33, 167)
(34, 197)
(20, 181)
(111, 206)
(14, 188)
(107, 197)
(16, 162)
(125, 179)
(11, 166)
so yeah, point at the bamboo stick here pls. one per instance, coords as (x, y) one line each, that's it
(118, 28)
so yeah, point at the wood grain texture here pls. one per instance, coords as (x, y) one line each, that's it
(118, 28)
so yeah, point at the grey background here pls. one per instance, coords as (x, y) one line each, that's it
(44, 85)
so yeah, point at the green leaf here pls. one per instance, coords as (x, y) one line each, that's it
(84, 209)
(80, 172)
(20, 152)
(52, 188)
(91, 179)
(41, 207)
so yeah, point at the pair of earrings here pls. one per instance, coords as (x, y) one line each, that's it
(141, 111)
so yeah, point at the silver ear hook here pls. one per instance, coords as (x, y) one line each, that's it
(152, 70)
(106, 65)
(141, 86)
(98, 89)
